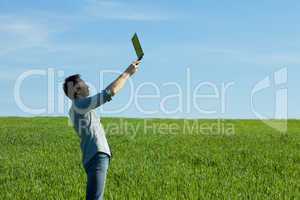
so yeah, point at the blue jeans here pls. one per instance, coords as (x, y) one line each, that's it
(96, 170)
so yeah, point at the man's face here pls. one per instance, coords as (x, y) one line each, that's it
(81, 88)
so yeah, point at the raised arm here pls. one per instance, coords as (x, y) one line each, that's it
(83, 105)
(119, 83)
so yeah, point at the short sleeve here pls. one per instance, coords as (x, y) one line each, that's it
(86, 104)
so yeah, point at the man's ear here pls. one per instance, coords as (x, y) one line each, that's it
(71, 92)
(75, 95)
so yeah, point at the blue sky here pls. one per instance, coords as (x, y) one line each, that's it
(217, 41)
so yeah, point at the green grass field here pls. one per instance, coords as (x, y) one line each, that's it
(40, 159)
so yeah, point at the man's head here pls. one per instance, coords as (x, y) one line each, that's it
(74, 87)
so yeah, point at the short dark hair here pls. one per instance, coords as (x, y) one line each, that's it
(71, 80)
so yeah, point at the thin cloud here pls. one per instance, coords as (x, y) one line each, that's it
(117, 10)
(10, 74)
(17, 33)
(25, 29)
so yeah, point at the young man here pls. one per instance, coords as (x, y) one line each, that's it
(95, 149)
